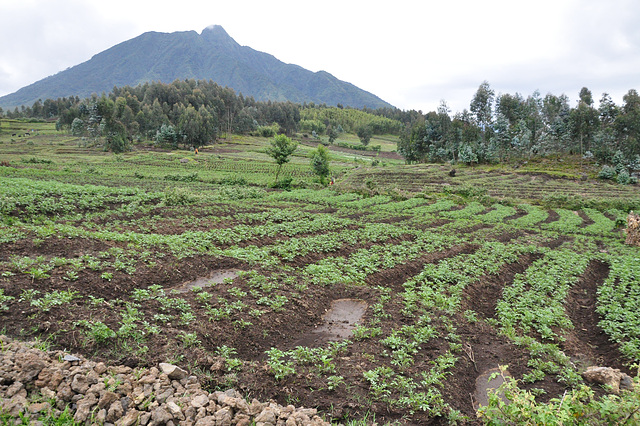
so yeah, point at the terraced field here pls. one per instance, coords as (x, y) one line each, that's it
(370, 307)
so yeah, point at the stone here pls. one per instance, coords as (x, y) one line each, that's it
(160, 416)
(115, 412)
(625, 382)
(47, 393)
(80, 383)
(84, 408)
(163, 396)
(64, 392)
(56, 378)
(607, 376)
(14, 406)
(199, 401)
(317, 421)
(291, 421)
(174, 409)
(71, 358)
(14, 389)
(255, 407)
(39, 407)
(129, 419)
(101, 416)
(241, 420)
(267, 416)
(173, 371)
(106, 399)
(206, 421)
(30, 366)
(100, 368)
(223, 416)
(145, 418)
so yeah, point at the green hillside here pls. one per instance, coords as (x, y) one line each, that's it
(210, 55)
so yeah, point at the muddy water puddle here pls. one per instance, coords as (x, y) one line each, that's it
(216, 277)
(484, 385)
(337, 323)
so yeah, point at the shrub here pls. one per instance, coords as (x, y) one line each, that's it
(624, 178)
(179, 197)
(607, 172)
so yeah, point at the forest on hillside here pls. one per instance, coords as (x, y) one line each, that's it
(495, 128)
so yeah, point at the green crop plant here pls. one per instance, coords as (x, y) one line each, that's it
(577, 406)
(4, 299)
(189, 339)
(97, 332)
(54, 298)
(279, 367)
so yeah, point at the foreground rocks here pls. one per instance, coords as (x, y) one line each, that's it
(633, 229)
(34, 383)
(612, 378)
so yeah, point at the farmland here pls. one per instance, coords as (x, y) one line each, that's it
(118, 257)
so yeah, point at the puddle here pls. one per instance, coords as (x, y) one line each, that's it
(216, 277)
(337, 323)
(483, 385)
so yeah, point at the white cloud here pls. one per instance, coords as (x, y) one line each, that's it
(411, 53)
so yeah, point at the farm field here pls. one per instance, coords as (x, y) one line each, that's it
(382, 298)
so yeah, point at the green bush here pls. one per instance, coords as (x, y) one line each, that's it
(577, 407)
(179, 197)
(607, 172)
(623, 177)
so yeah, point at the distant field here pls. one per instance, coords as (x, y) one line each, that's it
(142, 258)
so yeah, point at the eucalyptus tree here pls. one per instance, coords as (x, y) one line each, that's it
(628, 124)
(280, 150)
(482, 107)
(584, 120)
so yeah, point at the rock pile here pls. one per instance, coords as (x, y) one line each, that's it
(34, 383)
(633, 229)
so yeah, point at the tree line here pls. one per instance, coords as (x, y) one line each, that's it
(495, 128)
(192, 113)
(506, 127)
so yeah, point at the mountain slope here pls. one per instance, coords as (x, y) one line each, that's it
(211, 55)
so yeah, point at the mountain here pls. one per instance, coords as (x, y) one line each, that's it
(210, 55)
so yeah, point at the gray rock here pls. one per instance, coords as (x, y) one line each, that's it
(609, 377)
(172, 371)
(71, 358)
(129, 419)
(268, 416)
(115, 412)
(174, 409)
(106, 399)
(223, 416)
(85, 406)
(101, 416)
(39, 407)
(160, 416)
(80, 383)
(14, 389)
(206, 421)
(145, 418)
(625, 382)
(200, 401)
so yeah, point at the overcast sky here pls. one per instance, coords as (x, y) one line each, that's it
(410, 53)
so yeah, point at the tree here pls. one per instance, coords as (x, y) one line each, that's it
(320, 162)
(481, 105)
(364, 133)
(332, 133)
(280, 150)
(584, 120)
(77, 127)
